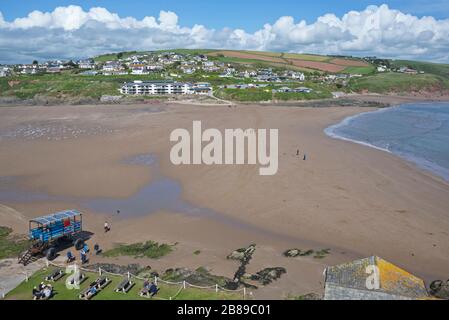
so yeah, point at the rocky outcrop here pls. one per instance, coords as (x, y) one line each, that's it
(268, 275)
(319, 254)
(114, 268)
(243, 255)
(293, 253)
(440, 289)
(198, 277)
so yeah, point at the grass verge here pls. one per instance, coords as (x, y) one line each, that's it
(24, 290)
(149, 249)
(11, 246)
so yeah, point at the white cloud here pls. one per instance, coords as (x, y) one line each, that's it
(71, 32)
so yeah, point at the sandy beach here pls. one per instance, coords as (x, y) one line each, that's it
(352, 199)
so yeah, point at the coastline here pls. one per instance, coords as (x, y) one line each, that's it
(421, 163)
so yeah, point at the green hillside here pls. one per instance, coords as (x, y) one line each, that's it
(71, 86)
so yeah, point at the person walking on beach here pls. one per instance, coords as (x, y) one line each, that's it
(107, 228)
(305, 157)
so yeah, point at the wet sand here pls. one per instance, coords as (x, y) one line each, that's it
(355, 200)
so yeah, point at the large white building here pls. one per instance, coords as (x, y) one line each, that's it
(161, 87)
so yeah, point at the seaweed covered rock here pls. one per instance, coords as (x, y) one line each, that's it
(118, 269)
(242, 253)
(440, 289)
(268, 275)
(199, 277)
(293, 253)
(319, 254)
(308, 296)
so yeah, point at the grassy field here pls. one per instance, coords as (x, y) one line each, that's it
(307, 57)
(24, 290)
(258, 63)
(427, 67)
(399, 83)
(149, 249)
(65, 85)
(11, 246)
(320, 91)
(360, 70)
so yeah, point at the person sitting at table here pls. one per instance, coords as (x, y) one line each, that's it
(153, 289)
(47, 292)
(36, 293)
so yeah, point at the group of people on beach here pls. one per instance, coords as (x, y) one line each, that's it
(298, 154)
(43, 291)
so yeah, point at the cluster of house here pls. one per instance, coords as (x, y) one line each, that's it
(292, 90)
(36, 68)
(408, 70)
(165, 87)
(243, 86)
(263, 75)
(152, 62)
(262, 85)
(383, 65)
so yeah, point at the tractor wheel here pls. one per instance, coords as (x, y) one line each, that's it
(50, 254)
(79, 244)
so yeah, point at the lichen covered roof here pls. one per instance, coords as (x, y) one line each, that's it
(392, 279)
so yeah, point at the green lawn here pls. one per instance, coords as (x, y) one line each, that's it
(252, 94)
(320, 91)
(24, 290)
(360, 70)
(427, 67)
(66, 85)
(398, 82)
(307, 57)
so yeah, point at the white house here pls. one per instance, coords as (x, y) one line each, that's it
(111, 66)
(4, 72)
(86, 64)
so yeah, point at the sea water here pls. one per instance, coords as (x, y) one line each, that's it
(417, 132)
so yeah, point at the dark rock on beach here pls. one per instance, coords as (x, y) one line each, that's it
(293, 253)
(114, 268)
(440, 289)
(268, 275)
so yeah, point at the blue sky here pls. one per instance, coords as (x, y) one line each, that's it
(250, 15)
(71, 29)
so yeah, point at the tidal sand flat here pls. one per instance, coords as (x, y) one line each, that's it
(357, 201)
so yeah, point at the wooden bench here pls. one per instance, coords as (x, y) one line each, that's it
(144, 293)
(98, 284)
(102, 282)
(55, 276)
(124, 286)
(87, 294)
